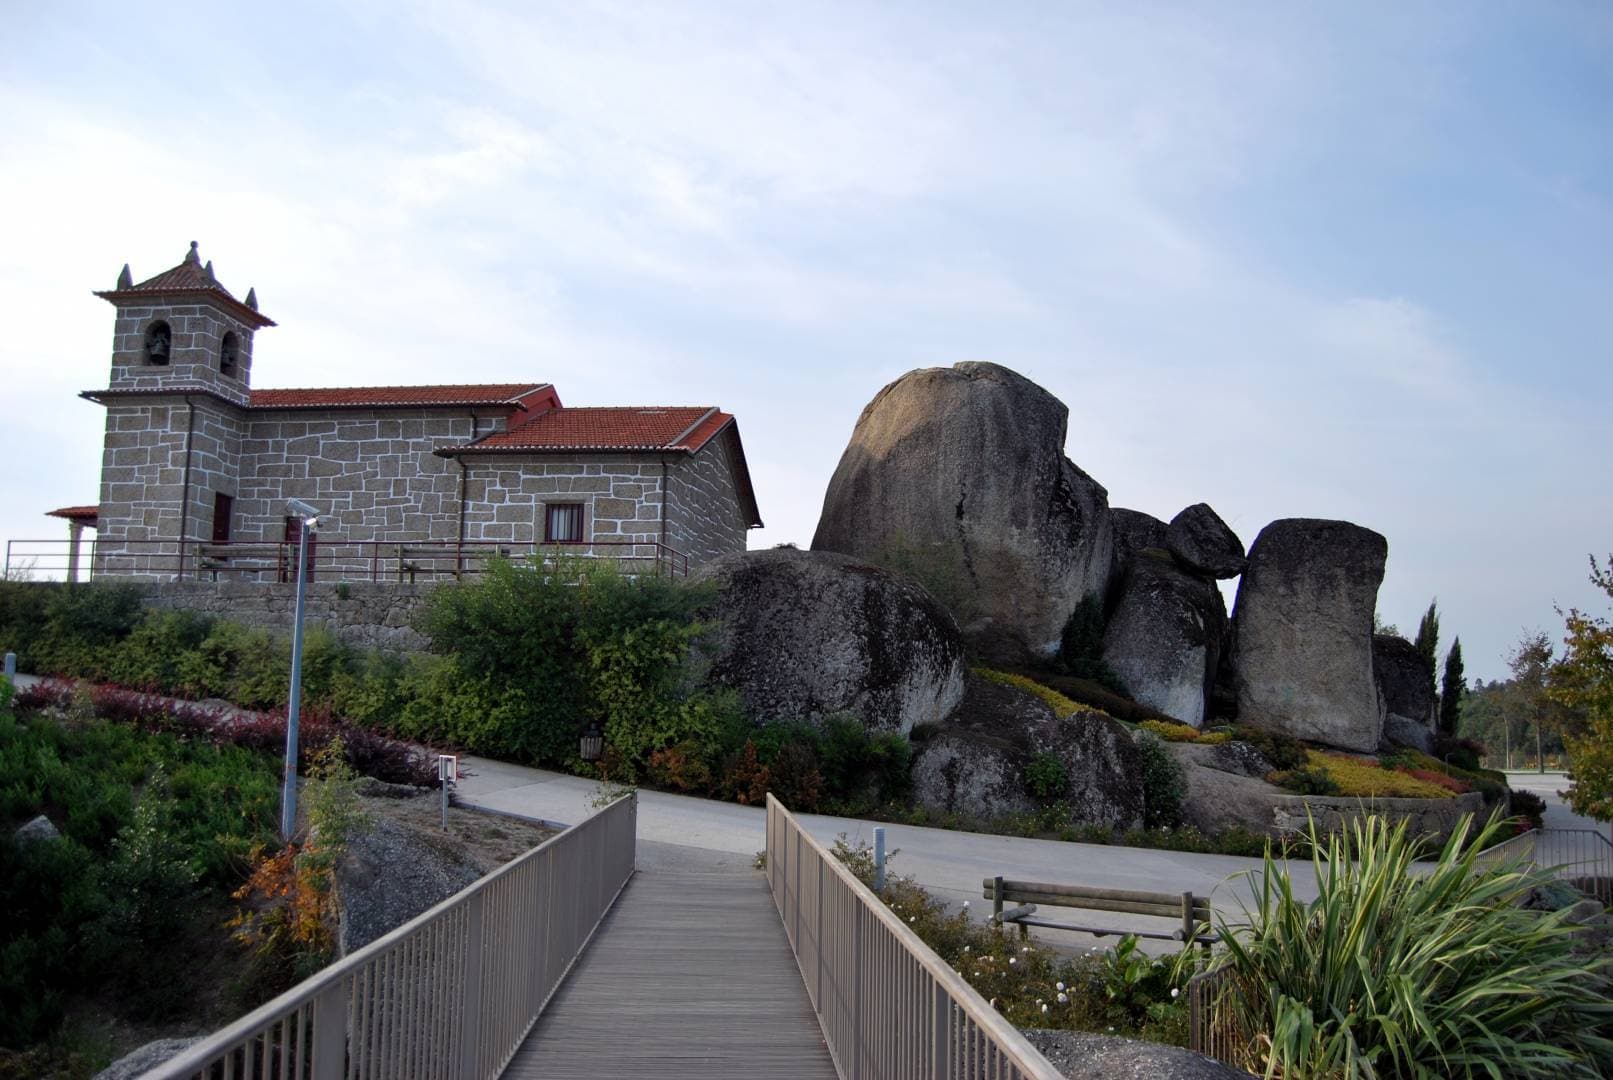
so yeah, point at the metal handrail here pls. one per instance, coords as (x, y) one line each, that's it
(888, 1005)
(451, 993)
(379, 560)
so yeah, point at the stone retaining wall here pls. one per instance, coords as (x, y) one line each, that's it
(1429, 817)
(362, 613)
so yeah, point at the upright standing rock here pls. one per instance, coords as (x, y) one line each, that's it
(962, 470)
(1406, 681)
(1165, 635)
(1302, 632)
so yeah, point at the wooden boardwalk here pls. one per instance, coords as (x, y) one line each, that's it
(690, 975)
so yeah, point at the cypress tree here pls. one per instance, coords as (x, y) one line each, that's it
(1428, 636)
(1450, 697)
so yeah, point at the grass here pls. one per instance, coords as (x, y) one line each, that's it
(1061, 705)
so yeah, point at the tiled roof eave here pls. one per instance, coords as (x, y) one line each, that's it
(251, 316)
(505, 448)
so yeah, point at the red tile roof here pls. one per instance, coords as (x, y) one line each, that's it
(671, 428)
(190, 277)
(76, 513)
(517, 395)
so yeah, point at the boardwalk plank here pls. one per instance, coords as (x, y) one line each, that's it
(690, 975)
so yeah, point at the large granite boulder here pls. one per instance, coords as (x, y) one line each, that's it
(1406, 681)
(1084, 1055)
(1302, 632)
(965, 466)
(138, 1062)
(807, 634)
(1133, 531)
(1165, 635)
(975, 763)
(1203, 542)
(390, 872)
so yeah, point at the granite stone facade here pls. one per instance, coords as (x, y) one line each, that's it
(405, 478)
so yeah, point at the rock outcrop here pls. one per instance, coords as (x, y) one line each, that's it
(1302, 632)
(1082, 1055)
(975, 764)
(1203, 542)
(962, 469)
(1406, 681)
(807, 634)
(389, 873)
(1165, 635)
(139, 1062)
(36, 829)
(1133, 531)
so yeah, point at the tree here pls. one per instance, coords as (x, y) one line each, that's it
(1428, 635)
(1583, 681)
(1527, 697)
(1451, 690)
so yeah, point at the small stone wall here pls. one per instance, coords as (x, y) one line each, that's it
(374, 615)
(1333, 813)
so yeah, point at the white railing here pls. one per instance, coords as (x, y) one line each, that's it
(889, 1006)
(451, 993)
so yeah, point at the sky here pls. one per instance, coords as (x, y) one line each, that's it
(1345, 261)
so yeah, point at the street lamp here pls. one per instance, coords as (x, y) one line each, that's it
(288, 791)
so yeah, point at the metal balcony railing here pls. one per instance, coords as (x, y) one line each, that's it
(331, 558)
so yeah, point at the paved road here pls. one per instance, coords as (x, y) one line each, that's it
(950, 864)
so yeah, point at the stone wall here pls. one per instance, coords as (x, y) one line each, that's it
(1429, 817)
(620, 494)
(197, 336)
(704, 519)
(371, 472)
(371, 615)
(142, 471)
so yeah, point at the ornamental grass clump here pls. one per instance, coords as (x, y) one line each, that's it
(1396, 970)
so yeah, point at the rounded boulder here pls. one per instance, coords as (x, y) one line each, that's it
(1203, 542)
(961, 472)
(803, 635)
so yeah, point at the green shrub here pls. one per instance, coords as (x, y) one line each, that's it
(150, 658)
(1282, 750)
(83, 626)
(1306, 780)
(1045, 777)
(1081, 646)
(1031, 985)
(1164, 783)
(861, 768)
(1530, 807)
(1393, 971)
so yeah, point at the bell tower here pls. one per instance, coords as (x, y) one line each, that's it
(183, 330)
(176, 409)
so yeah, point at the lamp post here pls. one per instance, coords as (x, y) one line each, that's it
(288, 791)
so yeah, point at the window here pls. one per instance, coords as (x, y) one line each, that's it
(562, 523)
(223, 507)
(228, 350)
(159, 340)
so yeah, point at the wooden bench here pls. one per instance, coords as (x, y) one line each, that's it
(216, 557)
(1193, 911)
(415, 558)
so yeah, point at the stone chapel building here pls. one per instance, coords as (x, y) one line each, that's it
(198, 465)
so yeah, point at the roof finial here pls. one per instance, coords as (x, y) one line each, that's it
(125, 279)
(194, 258)
(252, 299)
(208, 270)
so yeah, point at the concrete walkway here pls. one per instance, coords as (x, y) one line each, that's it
(950, 864)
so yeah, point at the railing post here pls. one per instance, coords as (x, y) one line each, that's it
(330, 1033)
(470, 1020)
